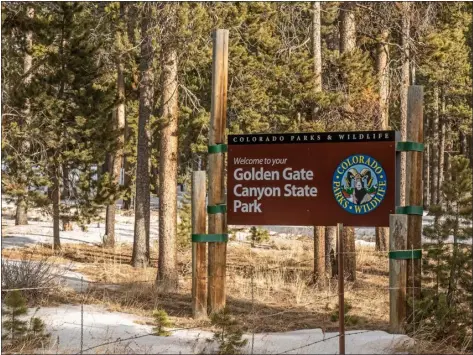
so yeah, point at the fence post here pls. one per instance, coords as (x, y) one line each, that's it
(199, 250)
(397, 273)
(341, 290)
(81, 316)
(414, 188)
(217, 222)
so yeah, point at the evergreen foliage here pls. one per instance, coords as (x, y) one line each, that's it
(444, 309)
(18, 331)
(162, 321)
(15, 307)
(229, 333)
(57, 116)
(184, 228)
(270, 88)
(258, 235)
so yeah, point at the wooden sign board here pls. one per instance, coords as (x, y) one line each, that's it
(308, 179)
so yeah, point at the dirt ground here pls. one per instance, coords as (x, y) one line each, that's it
(280, 296)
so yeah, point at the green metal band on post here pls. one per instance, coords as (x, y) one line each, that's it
(412, 210)
(405, 254)
(209, 238)
(217, 209)
(217, 148)
(408, 146)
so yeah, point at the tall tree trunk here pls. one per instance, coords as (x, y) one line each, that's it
(349, 256)
(347, 27)
(381, 123)
(463, 144)
(117, 156)
(426, 162)
(330, 250)
(319, 231)
(56, 195)
(405, 69)
(382, 68)
(167, 265)
(66, 191)
(470, 144)
(435, 149)
(128, 166)
(65, 194)
(441, 160)
(140, 256)
(155, 176)
(127, 174)
(319, 256)
(347, 45)
(21, 216)
(316, 52)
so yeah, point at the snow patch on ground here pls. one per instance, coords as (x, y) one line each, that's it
(100, 326)
(42, 232)
(364, 243)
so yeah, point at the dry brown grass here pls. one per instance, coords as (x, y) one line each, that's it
(281, 297)
(26, 345)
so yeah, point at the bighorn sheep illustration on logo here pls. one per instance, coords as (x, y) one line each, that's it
(362, 186)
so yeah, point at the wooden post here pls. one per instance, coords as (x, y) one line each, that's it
(217, 222)
(199, 250)
(319, 255)
(341, 290)
(397, 274)
(414, 189)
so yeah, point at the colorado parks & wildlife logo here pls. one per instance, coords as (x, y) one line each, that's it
(359, 184)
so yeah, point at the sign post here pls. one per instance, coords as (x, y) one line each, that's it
(216, 198)
(341, 290)
(199, 250)
(414, 207)
(397, 273)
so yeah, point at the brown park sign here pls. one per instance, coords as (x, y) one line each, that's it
(309, 179)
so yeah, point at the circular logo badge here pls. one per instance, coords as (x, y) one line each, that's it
(359, 184)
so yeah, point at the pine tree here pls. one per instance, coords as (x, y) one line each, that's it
(140, 256)
(20, 140)
(15, 307)
(445, 71)
(444, 307)
(184, 228)
(162, 321)
(229, 333)
(131, 60)
(258, 235)
(68, 100)
(115, 158)
(167, 263)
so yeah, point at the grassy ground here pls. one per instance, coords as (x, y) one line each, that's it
(281, 297)
(269, 287)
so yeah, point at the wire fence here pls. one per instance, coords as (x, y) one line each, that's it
(258, 312)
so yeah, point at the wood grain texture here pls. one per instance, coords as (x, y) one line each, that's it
(217, 222)
(199, 250)
(341, 288)
(414, 183)
(397, 274)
